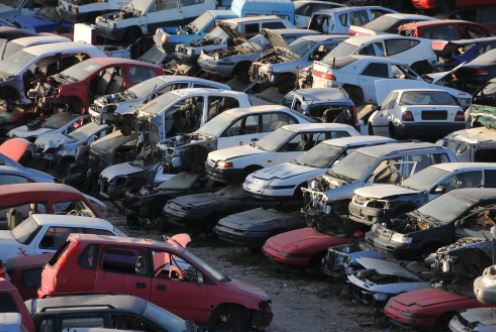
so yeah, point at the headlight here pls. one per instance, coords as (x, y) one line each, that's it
(313, 185)
(279, 187)
(327, 209)
(224, 164)
(401, 238)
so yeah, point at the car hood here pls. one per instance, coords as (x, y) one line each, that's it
(277, 41)
(245, 288)
(233, 153)
(122, 169)
(53, 140)
(428, 297)
(283, 171)
(482, 316)
(14, 148)
(383, 190)
(259, 216)
(304, 238)
(24, 132)
(201, 200)
(385, 267)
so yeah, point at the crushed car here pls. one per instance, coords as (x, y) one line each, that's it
(78, 11)
(10, 47)
(473, 144)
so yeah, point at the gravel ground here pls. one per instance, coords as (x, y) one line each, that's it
(300, 302)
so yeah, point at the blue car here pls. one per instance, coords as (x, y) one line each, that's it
(458, 51)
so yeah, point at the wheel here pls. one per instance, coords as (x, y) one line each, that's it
(230, 318)
(355, 94)
(370, 129)
(241, 72)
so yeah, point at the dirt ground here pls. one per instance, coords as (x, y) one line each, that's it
(300, 302)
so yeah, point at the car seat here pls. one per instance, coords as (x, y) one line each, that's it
(14, 218)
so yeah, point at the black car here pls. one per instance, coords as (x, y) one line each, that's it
(203, 210)
(474, 74)
(253, 227)
(123, 312)
(457, 214)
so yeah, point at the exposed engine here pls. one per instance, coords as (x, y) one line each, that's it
(187, 152)
(409, 224)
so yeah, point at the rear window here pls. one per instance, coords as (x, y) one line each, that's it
(62, 249)
(383, 23)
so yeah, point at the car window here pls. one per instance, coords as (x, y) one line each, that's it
(23, 210)
(418, 162)
(306, 141)
(445, 32)
(463, 180)
(199, 85)
(490, 179)
(191, 2)
(131, 322)
(56, 236)
(46, 325)
(375, 49)
(7, 303)
(163, 5)
(87, 259)
(31, 278)
(251, 125)
(272, 121)
(12, 179)
(321, 52)
(124, 261)
(78, 322)
(390, 100)
(252, 28)
(234, 129)
(376, 70)
(138, 74)
(485, 155)
(343, 19)
(303, 10)
(218, 104)
(171, 87)
(288, 100)
(359, 17)
(320, 23)
(469, 32)
(172, 267)
(388, 171)
(273, 25)
(377, 12)
(395, 46)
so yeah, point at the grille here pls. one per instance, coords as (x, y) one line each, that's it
(434, 115)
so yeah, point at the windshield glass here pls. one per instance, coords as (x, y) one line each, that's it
(142, 89)
(353, 167)
(382, 23)
(136, 5)
(461, 149)
(164, 318)
(14, 63)
(301, 46)
(258, 42)
(204, 266)
(216, 126)
(80, 71)
(424, 179)
(26, 231)
(273, 140)
(157, 105)
(216, 33)
(11, 48)
(342, 50)
(201, 21)
(320, 156)
(446, 208)
(427, 98)
(486, 96)
(58, 120)
(84, 131)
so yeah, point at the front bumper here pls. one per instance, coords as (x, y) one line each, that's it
(278, 256)
(177, 215)
(226, 175)
(427, 129)
(366, 215)
(110, 32)
(400, 315)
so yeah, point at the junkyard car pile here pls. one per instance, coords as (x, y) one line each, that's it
(347, 139)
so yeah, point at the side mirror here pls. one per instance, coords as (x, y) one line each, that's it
(439, 190)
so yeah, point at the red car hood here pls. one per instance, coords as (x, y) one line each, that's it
(428, 297)
(14, 148)
(245, 288)
(305, 238)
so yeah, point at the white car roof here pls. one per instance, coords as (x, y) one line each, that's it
(255, 18)
(257, 109)
(377, 59)
(61, 47)
(474, 135)
(322, 94)
(457, 166)
(361, 39)
(26, 41)
(420, 90)
(322, 37)
(66, 220)
(302, 2)
(181, 78)
(403, 16)
(357, 140)
(199, 91)
(350, 9)
(318, 127)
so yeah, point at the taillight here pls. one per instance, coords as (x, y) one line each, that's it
(407, 116)
(481, 72)
(326, 76)
(460, 116)
(351, 32)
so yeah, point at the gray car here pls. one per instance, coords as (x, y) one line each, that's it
(236, 60)
(280, 66)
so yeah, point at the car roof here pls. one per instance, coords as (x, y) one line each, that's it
(360, 39)
(376, 59)
(41, 188)
(474, 40)
(194, 91)
(438, 22)
(419, 90)
(474, 194)
(65, 46)
(127, 303)
(346, 9)
(295, 31)
(181, 78)
(67, 220)
(474, 135)
(386, 149)
(252, 18)
(358, 140)
(458, 166)
(128, 241)
(256, 109)
(322, 94)
(36, 39)
(318, 126)
(402, 16)
(322, 37)
(104, 61)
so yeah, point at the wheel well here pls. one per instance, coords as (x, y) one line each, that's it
(298, 192)
(252, 168)
(223, 306)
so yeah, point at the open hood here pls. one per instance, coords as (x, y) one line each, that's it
(276, 40)
(14, 148)
(233, 34)
(182, 239)
(385, 267)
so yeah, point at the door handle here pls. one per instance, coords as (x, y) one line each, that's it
(140, 285)
(161, 287)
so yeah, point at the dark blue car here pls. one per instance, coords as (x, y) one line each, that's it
(466, 50)
(45, 19)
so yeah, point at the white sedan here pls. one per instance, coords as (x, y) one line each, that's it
(45, 233)
(287, 143)
(284, 180)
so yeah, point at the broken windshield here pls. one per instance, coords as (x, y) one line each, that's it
(320, 156)
(446, 208)
(424, 179)
(301, 46)
(353, 167)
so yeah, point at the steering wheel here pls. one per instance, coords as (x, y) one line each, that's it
(176, 273)
(74, 212)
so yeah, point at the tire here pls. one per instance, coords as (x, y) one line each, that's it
(355, 94)
(241, 72)
(230, 318)
(370, 129)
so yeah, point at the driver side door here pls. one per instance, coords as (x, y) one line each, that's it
(178, 286)
(379, 120)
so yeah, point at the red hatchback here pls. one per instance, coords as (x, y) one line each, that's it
(427, 309)
(165, 274)
(77, 86)
(445, 30)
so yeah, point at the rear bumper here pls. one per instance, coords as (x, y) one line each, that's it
(427, 129)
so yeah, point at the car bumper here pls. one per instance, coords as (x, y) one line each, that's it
(242, 237)
(404, 318)
(278, 256)
(428, 129)
(366, 215)
(260, 189)
(226, 175)
(110, 33)
(223, 70)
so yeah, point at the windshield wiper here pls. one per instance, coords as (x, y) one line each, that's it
(340, 176)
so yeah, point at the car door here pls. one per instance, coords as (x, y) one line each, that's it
(50, 238)
(243, 131)
(179, 286)
(469, 179)
(123, 270)
(379, 120)
(366, 79)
